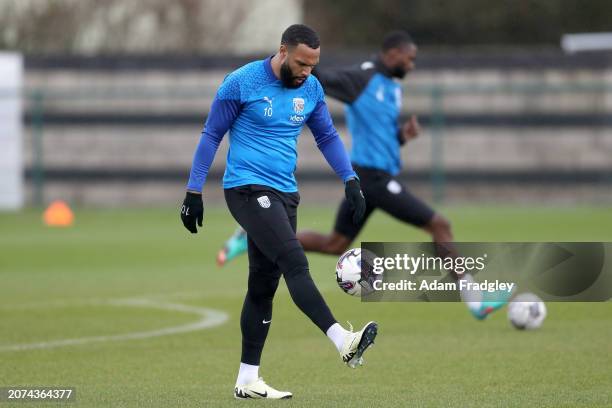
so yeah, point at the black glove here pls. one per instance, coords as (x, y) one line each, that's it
(192, 211)
(400, 136)
(354, 196)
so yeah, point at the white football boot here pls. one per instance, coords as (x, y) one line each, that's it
(357, 343)
(259, 390)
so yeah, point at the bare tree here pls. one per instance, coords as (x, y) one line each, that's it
(120, 26)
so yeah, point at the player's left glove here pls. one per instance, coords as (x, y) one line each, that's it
(354, 196)
(192, 211)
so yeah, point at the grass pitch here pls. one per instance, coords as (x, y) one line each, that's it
(114, 273)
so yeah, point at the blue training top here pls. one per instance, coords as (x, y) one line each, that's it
(372, 120)
(264, 120)
(373, 105)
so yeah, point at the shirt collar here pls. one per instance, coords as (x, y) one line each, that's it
(268, 68)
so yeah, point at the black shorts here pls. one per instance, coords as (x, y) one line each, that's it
(269, 217)
(382, 190)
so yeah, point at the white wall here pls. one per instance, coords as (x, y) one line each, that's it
(11, 167)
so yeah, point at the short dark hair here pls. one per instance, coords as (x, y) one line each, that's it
(300, 34)
(396, 39)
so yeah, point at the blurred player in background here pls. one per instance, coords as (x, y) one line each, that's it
(373, 99)
(264, 105)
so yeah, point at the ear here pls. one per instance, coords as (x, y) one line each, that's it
(283, 51)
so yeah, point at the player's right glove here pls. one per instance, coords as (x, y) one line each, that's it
(192, 211)
(354, 196)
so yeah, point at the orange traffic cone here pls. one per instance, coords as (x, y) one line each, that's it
(58, 214)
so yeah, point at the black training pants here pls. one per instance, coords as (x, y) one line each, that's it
(269, 217)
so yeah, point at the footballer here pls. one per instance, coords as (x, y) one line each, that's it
(264, 106)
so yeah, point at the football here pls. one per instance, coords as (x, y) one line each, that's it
(526, 311)
(349, 275)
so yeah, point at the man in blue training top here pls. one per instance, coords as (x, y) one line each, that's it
(373, 101)
(264, 105)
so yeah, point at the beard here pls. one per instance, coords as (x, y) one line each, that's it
(287, 78)
(398, 72)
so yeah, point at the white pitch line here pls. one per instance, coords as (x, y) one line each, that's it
(210, 318)
(72, 302)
